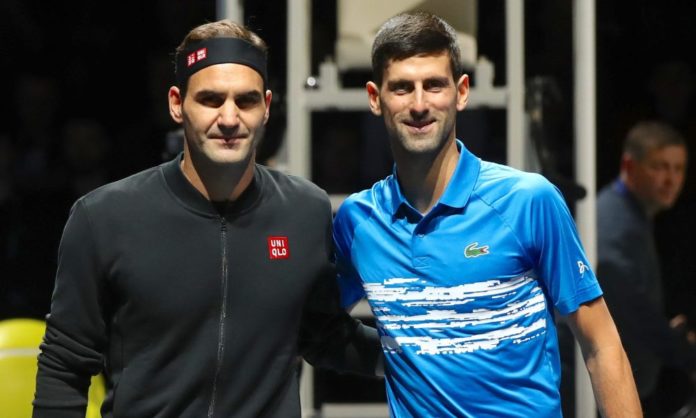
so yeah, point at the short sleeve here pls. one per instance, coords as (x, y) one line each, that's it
(555, 248)
(349, 281)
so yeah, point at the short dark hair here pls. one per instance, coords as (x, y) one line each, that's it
(646, 136)
(414, 33)
(224, 28)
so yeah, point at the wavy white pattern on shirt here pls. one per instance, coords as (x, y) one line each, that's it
(413, 294)
(455, 319)
(486, 341)
(379, 292)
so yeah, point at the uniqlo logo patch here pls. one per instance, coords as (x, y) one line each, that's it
(278, 248)
(194, 57)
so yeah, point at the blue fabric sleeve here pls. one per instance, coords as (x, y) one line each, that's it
(556, 250)
(349, 282)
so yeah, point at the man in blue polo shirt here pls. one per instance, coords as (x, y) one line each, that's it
(464, 261)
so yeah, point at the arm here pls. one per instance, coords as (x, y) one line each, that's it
(74, 329)
(331, 338)
(642, 324)
(606, 361)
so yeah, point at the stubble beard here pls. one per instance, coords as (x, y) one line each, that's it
(426, 144)
(220, 155)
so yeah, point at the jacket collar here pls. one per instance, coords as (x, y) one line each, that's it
(190, 197)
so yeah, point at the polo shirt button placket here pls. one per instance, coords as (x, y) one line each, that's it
(420, 258)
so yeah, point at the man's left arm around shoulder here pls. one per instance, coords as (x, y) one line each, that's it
(605, 359)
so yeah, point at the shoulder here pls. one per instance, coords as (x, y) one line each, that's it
(290, 188)
(120, 192)
(609, 199)
(363, 204)
(616, 214)
(500, 183)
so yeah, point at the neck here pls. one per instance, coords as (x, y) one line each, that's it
(650, 209)
(424, 178)
(218, 183)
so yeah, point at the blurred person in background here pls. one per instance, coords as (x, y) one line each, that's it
(652, 171)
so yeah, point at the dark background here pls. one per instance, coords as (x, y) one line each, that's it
(84, 102)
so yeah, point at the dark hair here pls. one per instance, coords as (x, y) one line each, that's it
(646, 136)
(220, 29)
(414, 33)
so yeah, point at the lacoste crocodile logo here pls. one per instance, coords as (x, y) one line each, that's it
(473, 250)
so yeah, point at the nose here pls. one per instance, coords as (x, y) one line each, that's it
(419, 105)
(228, 118)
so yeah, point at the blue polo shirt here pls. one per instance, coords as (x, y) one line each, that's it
(464, 296)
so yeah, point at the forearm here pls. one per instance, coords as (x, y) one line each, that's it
(612, 383)
(65, 368)
(606, 361)
(72, 348)
(359, 352)
(56, 397)
(58, 413)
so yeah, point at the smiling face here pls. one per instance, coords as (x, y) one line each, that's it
(419, 99)
(223, 113)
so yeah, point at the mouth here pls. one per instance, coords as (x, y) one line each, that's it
(229, 140)
(419, 125)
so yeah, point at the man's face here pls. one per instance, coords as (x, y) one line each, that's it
(658, 179)
(223, 113)
(419, 100)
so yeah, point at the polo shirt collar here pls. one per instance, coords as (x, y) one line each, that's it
(458, 190)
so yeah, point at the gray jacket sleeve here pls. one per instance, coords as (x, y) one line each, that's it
(331, 338)
(75, 330)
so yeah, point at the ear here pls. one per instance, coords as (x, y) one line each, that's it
(269, 96)
(373, 96)
(175, 104)
(628, 164)
(462, 92)
(628, 170)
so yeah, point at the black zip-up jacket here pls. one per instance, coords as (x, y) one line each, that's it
(193, 309)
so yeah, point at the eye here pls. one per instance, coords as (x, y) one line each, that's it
(248, 100)
(400, 87)
(210, 100)
(435, 85)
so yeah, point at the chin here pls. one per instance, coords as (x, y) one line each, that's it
(229, 155)
(422, 145)
(666, 204)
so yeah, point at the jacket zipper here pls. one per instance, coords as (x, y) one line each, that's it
(223, 315)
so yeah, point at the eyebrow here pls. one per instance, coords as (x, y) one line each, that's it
(398, 83)
(405, 82)
(251, 94)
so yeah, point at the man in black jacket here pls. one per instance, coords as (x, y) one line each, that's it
(195, 285)
(652, 174)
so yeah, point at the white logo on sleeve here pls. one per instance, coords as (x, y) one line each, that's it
(582, 267)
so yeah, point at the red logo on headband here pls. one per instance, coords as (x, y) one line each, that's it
(194, 57)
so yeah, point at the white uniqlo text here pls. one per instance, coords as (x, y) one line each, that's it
(194, 57)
